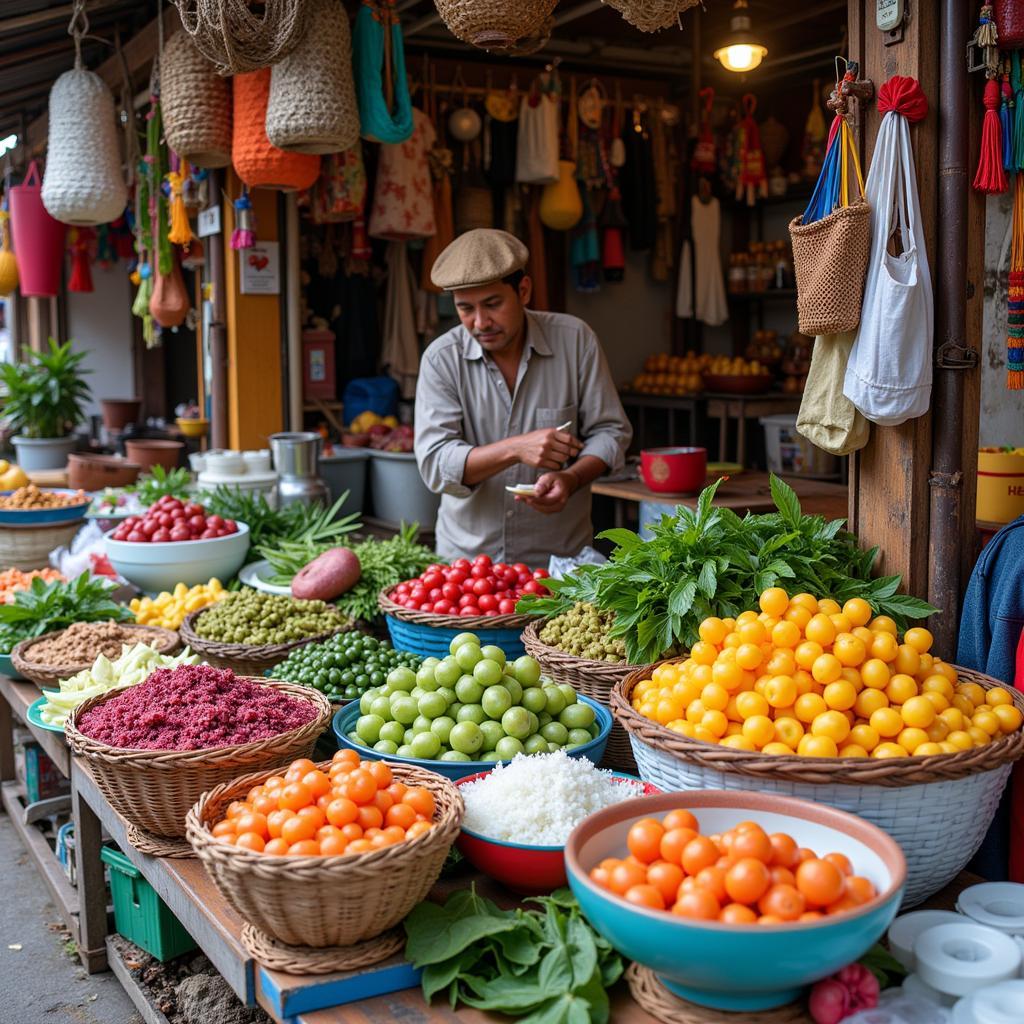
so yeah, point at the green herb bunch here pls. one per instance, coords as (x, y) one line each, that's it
(710, 561)
(45, 393)
(44, 607)
(159, 482)
(542, 966)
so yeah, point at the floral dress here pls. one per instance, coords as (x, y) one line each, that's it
(403, 200)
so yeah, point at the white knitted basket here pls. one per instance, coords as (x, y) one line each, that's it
(939, 825)
(312, 106)
(83, 184)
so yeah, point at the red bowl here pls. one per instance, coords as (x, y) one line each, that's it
(674, 470)
(527, 870)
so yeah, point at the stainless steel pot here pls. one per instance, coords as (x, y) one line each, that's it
(295, 459)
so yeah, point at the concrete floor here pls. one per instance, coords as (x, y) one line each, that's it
(40, 983)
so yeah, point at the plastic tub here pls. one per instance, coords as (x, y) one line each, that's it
(791, 453)
(343, 471)
(398, 491)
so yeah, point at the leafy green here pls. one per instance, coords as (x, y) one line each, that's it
(45, 393)
(707, 561)
(884, 966)
(43, 607)
(315, 530)
(544, 966)
(159, 482)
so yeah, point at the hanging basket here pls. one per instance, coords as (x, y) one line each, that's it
(83, 184)
(169, 304)
(195, 104)
(651, 15)
(493, 24)
(8, 263)
(38, 238)
(257, 162)
(312, 106)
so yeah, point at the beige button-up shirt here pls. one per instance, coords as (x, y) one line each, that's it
(462, 402)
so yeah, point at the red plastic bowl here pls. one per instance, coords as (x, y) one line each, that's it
(674, 470)
(527, 870)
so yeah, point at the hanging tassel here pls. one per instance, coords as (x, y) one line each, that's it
(244, 235)
(140, 307)
(1017, 83)
(181, 231)
(1006, 124)
(1015, 297)
(81, 272)
(986, 38)
(990, 177)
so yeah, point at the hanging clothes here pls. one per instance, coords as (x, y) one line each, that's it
(400, 350)
(537, 139)
(705, 298)
(638, 185)
(403, 200)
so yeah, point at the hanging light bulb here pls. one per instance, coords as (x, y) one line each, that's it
(741, 51)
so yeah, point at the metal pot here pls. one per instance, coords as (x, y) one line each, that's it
(295, 459)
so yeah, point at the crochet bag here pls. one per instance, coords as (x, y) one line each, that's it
(312, 106)
(258, 162)
(38, 238)
(196, 105)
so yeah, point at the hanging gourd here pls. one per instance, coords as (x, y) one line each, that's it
(257, 162)
(169, 304)
(38, 238)
(385, 108)
(652, 15)
(8, 263)
(83, 184)
(493, 24)
(196, 104)
(312, 106)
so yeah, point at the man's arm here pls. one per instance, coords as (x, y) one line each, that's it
(555, 489)
(543, 449)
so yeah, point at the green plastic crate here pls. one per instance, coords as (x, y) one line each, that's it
(139, 913)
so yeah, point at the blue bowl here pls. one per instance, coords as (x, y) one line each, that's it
(7, 667)
(433, 641)
(345, 721)
(43, 516)
(739, 967)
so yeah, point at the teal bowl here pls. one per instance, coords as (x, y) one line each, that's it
(739, 967)
(7, 667)
(345, 722)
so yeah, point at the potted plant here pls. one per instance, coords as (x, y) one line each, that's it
(44, 404)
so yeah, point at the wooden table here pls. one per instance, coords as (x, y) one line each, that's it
(744, 492)
(743, 409)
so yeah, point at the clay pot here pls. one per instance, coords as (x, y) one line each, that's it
(118, 413)
(94, 472)
(147, 453)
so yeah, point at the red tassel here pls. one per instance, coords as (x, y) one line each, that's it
(991, 178)
(81, 272)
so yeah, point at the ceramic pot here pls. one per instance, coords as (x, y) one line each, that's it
(43, 452)
(118, 413)
(674, 470)
(94, 472)
(149, 453)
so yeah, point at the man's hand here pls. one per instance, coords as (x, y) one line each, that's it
(547, 448)
(552, 491)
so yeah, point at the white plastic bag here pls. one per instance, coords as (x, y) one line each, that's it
(559, 567)
(889, 374)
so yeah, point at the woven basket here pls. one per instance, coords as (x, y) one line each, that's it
(256, 161)
(652, 15)
(154, 789)
(493, 24)
(165, 641)
(937, 808)
(327, 901)
(830, 259)
(83, 183)
(195, 104)
(429, 635)
(312, 106)
(243, 659)
(594, 679)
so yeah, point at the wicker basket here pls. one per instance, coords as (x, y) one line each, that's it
(312, 106)
(166, 641)
(243, 659)
(429, 635)
(29, 547)
(327, 901)
(594, 679)
(652, 15)
(937, 808)
(154, 789)
(493, 24)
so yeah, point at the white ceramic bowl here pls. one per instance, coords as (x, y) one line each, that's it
(156, 567)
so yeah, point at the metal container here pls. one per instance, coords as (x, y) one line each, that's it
(295, 459)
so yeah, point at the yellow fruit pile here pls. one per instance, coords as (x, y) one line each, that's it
(736, 366)
(671, 375)
(169, 609)
(808, 677)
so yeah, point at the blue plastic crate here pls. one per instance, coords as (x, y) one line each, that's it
(434, 641)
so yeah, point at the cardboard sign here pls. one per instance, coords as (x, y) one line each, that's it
(260, 269)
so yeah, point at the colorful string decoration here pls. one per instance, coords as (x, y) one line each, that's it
(991, 174)
(1015, 305)
(244, 235)
(1006, 111)
(181, 231)
(753, 178)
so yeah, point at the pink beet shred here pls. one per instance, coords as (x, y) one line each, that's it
(194, 707)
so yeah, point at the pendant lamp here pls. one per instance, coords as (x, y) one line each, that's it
(741, 51)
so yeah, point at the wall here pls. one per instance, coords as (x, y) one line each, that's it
(100, 323)
(1002, 411)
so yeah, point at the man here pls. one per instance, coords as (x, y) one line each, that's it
(512, 397)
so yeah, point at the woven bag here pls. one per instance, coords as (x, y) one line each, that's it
(195, 103)
(652, 15)
(38, 239)
(312, 106)
(83, 183)
(257, 162)
(493, 24)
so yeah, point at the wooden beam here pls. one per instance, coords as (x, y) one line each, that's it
(51, 14)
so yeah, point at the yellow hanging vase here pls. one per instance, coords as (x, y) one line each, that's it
(8, 263)
(561, 206)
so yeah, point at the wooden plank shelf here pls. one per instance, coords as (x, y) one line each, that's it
(21, 695)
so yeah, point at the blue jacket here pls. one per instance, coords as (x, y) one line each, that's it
(990, 628)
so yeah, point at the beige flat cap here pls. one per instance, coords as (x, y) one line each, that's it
(478, 257)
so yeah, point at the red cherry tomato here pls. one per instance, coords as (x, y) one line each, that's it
(162, 536)
(433, 580)
(462, 564)
(487, 603)
(469, 610)
(479, 571)
(483, 586)
(532, 587)
(458, 577)
(507, 607)
(451, 591)
(442, 607)
(540, 574)
(466, 600)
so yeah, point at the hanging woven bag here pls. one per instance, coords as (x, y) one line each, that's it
(493, 24)
(385, 108)
(196, 105)
(831, 242)
(169, 304)
(8, 263)
(652, 15)
(312, 106)
(38, 238)
(256, 161)
(83, 184)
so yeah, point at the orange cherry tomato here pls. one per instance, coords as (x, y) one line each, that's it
(782, 876)
(360, 787)
(302, 765)
(237, 808)
(399, 814)
(699, 904)
(382, 801)
(645, 896)
(298, 828)
(341, 811)
(785, 902)
(666, 877)
(785, 852)
(352, 831)
(397, 791)
(601, 877)
(713, 879)
(859, 889)
(274, 783)
(294, 796)
(820, 881)
(674, 842)
(752, 843)
(625, 875)
(369, 817)
(418, 828)
(811, 915)
(644, 839)
(698, 853)
(251, 841)
(304, 848)
(841, 861)
(313, 814)
(327, 832)
(747, 880)
(421, 800)
(347, 756)
(224, 828)
(253, 821)
(276, 848)
(264, 803)
(841, 906)
(381, 773)
(333, 846)
(805, 853)
(680, 818)
(737, 913)
(317, 783)
(359, 846)
(323, 802)
(394, 834)
(276, 820)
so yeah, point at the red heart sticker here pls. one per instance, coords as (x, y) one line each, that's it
(259, 262)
